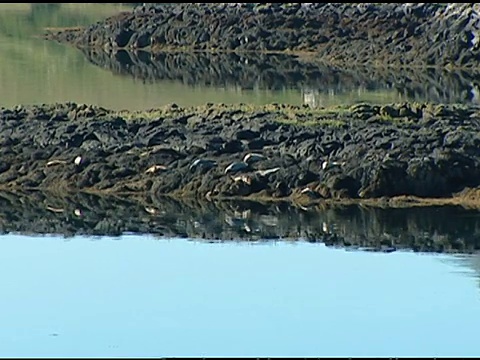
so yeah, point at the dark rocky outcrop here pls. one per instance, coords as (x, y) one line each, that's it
(380, 34)
(358, 152)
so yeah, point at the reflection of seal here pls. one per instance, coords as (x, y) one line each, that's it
(309, 192)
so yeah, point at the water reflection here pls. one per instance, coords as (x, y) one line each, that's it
(133, 296)
(320, 84)
(437, 229)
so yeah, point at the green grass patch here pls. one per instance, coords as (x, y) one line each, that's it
(314, 122)
(282, 113)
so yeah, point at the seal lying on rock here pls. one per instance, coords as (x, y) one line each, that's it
(155, 169)
(236, 167)
(203, 163)
(251, 158)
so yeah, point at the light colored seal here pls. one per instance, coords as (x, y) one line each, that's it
(243, 178)
(251, 158)
(78, 160)
(203, 163)
(267, 171)
(56, 162)
(155, 169)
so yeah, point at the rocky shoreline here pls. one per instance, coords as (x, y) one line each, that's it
(381, 34)
(277, 152)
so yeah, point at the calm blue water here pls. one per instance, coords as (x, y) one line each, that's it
(137, 296)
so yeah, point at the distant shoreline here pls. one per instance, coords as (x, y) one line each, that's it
(384, 34)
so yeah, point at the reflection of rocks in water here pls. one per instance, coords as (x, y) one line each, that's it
(280, 71)
(442, 229)
(470, 264)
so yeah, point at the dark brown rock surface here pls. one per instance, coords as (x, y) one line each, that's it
(408, 34)
(273, 151)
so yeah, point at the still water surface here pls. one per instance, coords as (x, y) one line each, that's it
(139, 296)
(135, 295)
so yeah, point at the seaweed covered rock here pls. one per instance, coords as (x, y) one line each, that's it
(359, 152)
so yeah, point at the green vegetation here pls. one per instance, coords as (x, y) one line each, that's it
(399, 120)
(285, 114)
(314, 122)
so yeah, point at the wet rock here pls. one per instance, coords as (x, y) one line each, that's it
(233, 146)
(396, 155)
(247, 135)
